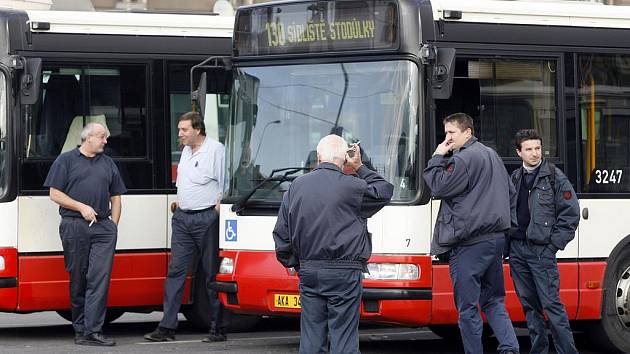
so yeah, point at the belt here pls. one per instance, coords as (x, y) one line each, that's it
(98, 217)
(332, 264)
(186, 211)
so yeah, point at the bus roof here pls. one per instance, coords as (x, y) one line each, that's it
(565, 13)
(138, 24)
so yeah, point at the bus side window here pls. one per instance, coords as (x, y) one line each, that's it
(75, 95)
(62, 102)
(503, 96)
(605, 122)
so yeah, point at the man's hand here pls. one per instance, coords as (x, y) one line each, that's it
(444, 147)
(87, 212)
(354, 162)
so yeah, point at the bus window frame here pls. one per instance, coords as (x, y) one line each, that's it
(10, 190)
(502, 52)
(422, 195)
(62, 60)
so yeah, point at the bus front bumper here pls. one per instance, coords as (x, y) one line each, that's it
(259, 285)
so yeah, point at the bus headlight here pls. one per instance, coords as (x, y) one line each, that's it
(227, 266)
(2, 264)
(392, 271)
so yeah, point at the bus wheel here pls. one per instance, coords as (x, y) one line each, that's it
(614, 325)
(111, 316)
(199, 313)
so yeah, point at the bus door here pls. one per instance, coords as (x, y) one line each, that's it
(603, 115)
(504, 94)
(26, 72)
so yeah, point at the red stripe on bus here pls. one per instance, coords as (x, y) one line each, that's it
(137, 281)
(260, 276)
(10, 262)
(581, 303)
(591, 299)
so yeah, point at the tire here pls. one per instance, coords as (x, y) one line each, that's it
(110, 316)
(199, 313)
(612, 332)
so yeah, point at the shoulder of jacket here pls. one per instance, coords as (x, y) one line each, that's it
(107, 158)
(516, 172)
(461, 159)
(562, 179)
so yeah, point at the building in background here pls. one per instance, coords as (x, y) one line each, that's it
(204, 5)
(170, 5)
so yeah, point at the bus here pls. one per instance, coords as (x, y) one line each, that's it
(385, 73)
(131, 72)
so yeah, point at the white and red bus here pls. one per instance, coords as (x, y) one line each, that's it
(386, 72)
(131, 72)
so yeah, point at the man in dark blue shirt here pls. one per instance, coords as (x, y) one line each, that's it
(87, 186)
(322, 231)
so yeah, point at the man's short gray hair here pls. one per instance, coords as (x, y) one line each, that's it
(89, 128)
(332, 147)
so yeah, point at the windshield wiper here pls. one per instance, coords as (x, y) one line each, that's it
(286, 176)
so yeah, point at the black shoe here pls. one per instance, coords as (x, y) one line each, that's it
(78, 337)
(96, 339)
(161, 335)
(215, 336)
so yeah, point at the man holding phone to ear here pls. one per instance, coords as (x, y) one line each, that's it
(322, 232)
(477, 209)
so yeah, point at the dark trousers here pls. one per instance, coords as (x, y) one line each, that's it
(88, 256)
(537, 282)
(330, 300)
(196, 233)
(477, 274)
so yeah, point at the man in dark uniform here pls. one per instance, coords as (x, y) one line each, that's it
(87, 186)
(548, 215)
(322, 232)
(475, 214)
(195, 224)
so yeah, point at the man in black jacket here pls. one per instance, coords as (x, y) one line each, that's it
(322, 231)
(548, 215)
(476, 211)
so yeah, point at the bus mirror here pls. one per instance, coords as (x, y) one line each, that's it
(30, 81)
(212, 76)
(443, 72)
(219, 81)
(199, 95)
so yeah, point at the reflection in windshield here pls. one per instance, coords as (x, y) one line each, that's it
(279, 114)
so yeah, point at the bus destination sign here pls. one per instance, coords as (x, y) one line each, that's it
(311, 27)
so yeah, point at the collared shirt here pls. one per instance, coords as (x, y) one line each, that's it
(89, 180)
(200, 176)
(532, 169)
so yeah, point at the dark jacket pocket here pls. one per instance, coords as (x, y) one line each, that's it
(446, 230)
(539, 231)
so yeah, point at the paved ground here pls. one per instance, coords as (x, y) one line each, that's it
(46, 332)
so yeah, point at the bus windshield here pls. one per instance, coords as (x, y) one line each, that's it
(279, 114)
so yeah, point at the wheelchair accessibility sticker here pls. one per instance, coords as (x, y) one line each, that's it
(230, 230)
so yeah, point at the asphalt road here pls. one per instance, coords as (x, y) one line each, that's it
(46, 332)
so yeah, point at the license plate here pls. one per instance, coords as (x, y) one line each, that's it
(287, 301)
